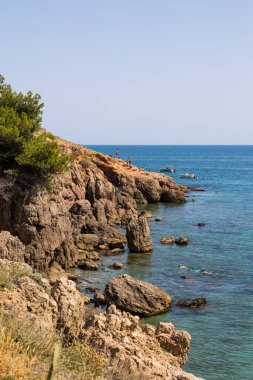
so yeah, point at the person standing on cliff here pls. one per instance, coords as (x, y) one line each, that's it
(117, 153)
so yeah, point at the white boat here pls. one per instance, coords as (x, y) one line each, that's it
(188, 175)
(167, 169)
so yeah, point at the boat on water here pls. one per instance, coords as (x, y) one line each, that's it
(168, 169)
(188, 175)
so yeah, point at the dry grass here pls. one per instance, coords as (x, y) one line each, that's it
(10, 274)
(28, 353)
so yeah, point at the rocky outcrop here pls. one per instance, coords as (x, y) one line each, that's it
(28, 295)
(136, 297)
(11, 248)
(136, 350)
(70, 307)
(80, 209)
(128, 347)
(138, 234)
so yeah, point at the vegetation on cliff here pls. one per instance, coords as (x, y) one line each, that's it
(22, 141)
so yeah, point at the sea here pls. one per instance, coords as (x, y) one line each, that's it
(221, 331)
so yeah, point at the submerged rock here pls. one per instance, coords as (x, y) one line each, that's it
(182, 240)
(91, 289)
(116, 265)
(167, 240)
(147, 214)
(138, 235)
(114, 251)
(137, 297)
(88, 265)
(193, 304)
(99, 299)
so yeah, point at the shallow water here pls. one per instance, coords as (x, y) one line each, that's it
(222, 332)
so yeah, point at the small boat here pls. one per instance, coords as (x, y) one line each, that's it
(168, 169)
(188, 175)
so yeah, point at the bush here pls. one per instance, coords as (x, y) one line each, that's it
(20, 142)
(43, 156)
(10, 275)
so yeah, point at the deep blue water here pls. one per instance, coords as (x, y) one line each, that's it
(222, 332)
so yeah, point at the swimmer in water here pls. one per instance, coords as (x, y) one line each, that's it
(181, 266)
(203, 271)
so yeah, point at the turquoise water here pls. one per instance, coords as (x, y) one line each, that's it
(222, 332)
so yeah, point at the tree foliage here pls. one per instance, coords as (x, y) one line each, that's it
(21, 141)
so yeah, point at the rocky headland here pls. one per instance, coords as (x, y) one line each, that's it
(51, 228)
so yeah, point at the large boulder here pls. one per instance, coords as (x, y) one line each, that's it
(138, 234)
(137, 297)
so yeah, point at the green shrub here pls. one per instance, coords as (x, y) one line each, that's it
(20, 142)
(42, 156)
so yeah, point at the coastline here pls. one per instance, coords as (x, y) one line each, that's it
(59, 228)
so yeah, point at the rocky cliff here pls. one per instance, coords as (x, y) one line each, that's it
(61, 225)
(81, 209)
(131, 349)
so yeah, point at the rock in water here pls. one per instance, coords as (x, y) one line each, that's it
(167, 240)
(116, 265)
(137, 297)
(195, 303)
(138, 234)
(182, 240)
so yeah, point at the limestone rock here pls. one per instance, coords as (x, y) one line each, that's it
(138, 350)
(116, 265)
(167, 240)
(71, 307)
(175, 342)
(91, 289)
(11, 248)
(182, 240)
(55, 272)
(136, 297)
(192, 303)
(138, 235)
(99, 299)
(114, 251)
(88, 265)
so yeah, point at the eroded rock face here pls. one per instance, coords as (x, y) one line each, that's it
(138, 234)
(71, 307)
(139, 351)
(81, 209)
(128, 347)
(11, 248)
(137, 297)
(62, 308)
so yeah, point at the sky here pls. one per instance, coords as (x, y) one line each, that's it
(134, 71)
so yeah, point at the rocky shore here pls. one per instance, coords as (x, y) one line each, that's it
(50, 229)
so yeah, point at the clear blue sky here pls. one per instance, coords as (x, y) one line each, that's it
(135, 71)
